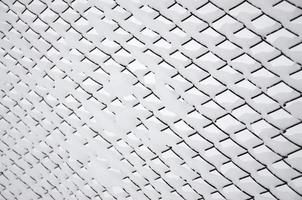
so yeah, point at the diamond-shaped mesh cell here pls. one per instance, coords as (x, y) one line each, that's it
(151, 99)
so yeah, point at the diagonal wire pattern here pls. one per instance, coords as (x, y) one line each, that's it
(145, 99)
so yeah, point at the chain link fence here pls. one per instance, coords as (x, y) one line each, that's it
(146, 99)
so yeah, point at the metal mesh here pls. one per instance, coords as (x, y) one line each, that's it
(130, 99)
